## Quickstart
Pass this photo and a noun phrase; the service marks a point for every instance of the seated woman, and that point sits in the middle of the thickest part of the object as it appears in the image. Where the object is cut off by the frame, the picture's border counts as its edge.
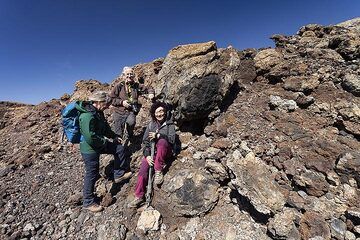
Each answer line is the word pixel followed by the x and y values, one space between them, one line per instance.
pixel 161 131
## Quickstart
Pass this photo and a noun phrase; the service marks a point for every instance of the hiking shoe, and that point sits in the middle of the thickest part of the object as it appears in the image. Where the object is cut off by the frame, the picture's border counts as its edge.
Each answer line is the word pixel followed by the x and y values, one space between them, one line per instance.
pixel 94 208
pixel 136 202
pixel 159 177
pixel 124 177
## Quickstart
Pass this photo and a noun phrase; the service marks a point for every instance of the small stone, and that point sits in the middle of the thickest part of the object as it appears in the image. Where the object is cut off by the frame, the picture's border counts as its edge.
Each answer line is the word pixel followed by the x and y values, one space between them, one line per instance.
pixel 357 229
pixel 62 223
pixel 222 143
pixel 149 220
pixel 285 105
pixel 10 219
pixel 107 200
pixel 74 199
pixel 111 229
pixel 236 154
pixel 68 212
pixel 71 229
pixel 338 229
pixel 349 236
pixel 197 155
pixel 29 227
pixel 74 215
pixel 354 214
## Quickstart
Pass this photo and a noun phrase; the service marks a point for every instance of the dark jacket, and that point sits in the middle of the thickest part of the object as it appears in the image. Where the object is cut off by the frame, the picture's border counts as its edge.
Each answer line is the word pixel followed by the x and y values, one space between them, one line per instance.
pixel 131 92
pixel 94 128
pixel 166 130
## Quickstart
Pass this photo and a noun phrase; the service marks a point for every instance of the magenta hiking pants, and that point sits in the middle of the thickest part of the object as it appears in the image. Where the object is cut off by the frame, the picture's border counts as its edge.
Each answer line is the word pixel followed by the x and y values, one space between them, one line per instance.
pixel 163 151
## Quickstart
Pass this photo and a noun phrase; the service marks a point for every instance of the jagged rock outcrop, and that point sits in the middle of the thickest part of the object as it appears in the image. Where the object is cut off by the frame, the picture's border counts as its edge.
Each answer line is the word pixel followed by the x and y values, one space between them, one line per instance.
pixel 196 78
pixel 269 148
pixel 254 180
pixel 84 88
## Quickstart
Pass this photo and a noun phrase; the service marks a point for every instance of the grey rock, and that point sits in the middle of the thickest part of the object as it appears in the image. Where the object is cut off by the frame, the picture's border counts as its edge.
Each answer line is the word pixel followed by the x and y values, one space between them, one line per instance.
pixel 192 192
pixel 302 100
pixel 225 223
pixel 28 227
pixel 255 181
pixel 328 208
pixel 349 164
pixel 214 153
pixel 282 104
pixel 282 226
pixel 217 170
pixel 352 84
pixel 338 229
pixel 111 229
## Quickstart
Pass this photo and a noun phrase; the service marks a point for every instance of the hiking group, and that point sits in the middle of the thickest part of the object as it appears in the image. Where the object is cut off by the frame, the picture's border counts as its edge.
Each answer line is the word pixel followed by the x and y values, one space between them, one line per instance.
pixel 84 122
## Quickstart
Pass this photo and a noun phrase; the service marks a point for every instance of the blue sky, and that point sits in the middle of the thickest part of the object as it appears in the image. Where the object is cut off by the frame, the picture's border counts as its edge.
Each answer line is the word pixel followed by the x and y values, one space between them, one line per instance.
pixel 46 45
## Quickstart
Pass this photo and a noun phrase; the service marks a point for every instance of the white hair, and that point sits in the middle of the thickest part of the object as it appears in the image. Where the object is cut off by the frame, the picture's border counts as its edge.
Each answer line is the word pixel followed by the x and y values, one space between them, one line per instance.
pixel 126 69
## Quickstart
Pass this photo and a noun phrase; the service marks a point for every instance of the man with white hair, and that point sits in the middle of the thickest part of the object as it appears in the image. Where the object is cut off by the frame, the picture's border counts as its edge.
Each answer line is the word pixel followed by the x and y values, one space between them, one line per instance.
pixel 124 98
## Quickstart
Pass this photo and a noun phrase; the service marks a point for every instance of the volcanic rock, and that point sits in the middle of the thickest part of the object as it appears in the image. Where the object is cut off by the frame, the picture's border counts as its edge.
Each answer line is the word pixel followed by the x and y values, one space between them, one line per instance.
pixel 255 181
pixel 191 192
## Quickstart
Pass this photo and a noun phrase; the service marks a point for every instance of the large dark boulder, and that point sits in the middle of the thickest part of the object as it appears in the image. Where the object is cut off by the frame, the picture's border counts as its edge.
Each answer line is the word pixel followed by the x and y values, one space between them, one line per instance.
pixel 196 78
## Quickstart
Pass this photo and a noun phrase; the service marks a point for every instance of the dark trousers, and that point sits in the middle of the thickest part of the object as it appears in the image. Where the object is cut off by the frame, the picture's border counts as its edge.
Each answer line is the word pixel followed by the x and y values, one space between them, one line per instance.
pixel 128 118
pixel 91 161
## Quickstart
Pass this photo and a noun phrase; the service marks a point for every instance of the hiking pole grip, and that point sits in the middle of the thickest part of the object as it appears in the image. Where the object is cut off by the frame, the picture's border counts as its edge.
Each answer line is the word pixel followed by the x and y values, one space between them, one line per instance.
pixel 149 186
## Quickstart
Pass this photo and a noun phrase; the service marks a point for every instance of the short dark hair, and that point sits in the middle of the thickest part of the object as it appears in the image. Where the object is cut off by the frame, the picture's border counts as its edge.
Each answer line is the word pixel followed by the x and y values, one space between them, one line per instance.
pixel 155 106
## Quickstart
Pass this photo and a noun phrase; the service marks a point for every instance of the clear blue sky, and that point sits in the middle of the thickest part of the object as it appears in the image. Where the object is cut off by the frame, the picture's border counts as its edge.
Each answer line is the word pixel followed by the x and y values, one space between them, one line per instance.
pixel 47 45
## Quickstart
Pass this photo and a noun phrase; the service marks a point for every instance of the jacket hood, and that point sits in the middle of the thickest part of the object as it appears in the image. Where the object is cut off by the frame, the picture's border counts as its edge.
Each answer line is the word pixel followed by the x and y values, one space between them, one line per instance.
pixel 85 107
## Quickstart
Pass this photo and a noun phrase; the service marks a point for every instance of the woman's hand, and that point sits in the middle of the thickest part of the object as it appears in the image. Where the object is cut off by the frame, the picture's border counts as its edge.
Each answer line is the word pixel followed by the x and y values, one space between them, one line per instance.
pixel 152 136
pixel 149 160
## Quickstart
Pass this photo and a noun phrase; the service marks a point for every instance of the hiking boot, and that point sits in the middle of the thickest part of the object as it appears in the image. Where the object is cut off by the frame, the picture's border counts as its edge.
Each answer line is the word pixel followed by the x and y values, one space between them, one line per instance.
pixel 124 177
pixel 159 178
pixel 136 202
pixel 94 208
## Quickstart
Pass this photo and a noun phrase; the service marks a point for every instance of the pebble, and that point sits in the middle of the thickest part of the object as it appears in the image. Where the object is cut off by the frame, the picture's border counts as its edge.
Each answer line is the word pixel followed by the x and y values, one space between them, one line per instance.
pixel 29 227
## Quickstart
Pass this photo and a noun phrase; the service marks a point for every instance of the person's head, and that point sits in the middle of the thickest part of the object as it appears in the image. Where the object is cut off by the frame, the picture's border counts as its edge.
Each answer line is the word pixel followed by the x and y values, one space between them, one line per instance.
pixel 158 111
pixel 128 74
pixel 99 100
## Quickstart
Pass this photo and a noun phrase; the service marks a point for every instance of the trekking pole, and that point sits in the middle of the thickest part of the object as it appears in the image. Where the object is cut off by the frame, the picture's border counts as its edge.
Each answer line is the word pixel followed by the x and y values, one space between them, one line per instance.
pixel 125 137
pixel 150 180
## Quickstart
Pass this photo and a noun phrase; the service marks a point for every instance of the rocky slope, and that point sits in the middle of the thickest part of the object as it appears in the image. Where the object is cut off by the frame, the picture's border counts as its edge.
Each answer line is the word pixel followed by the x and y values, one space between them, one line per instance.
pixel 269 149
